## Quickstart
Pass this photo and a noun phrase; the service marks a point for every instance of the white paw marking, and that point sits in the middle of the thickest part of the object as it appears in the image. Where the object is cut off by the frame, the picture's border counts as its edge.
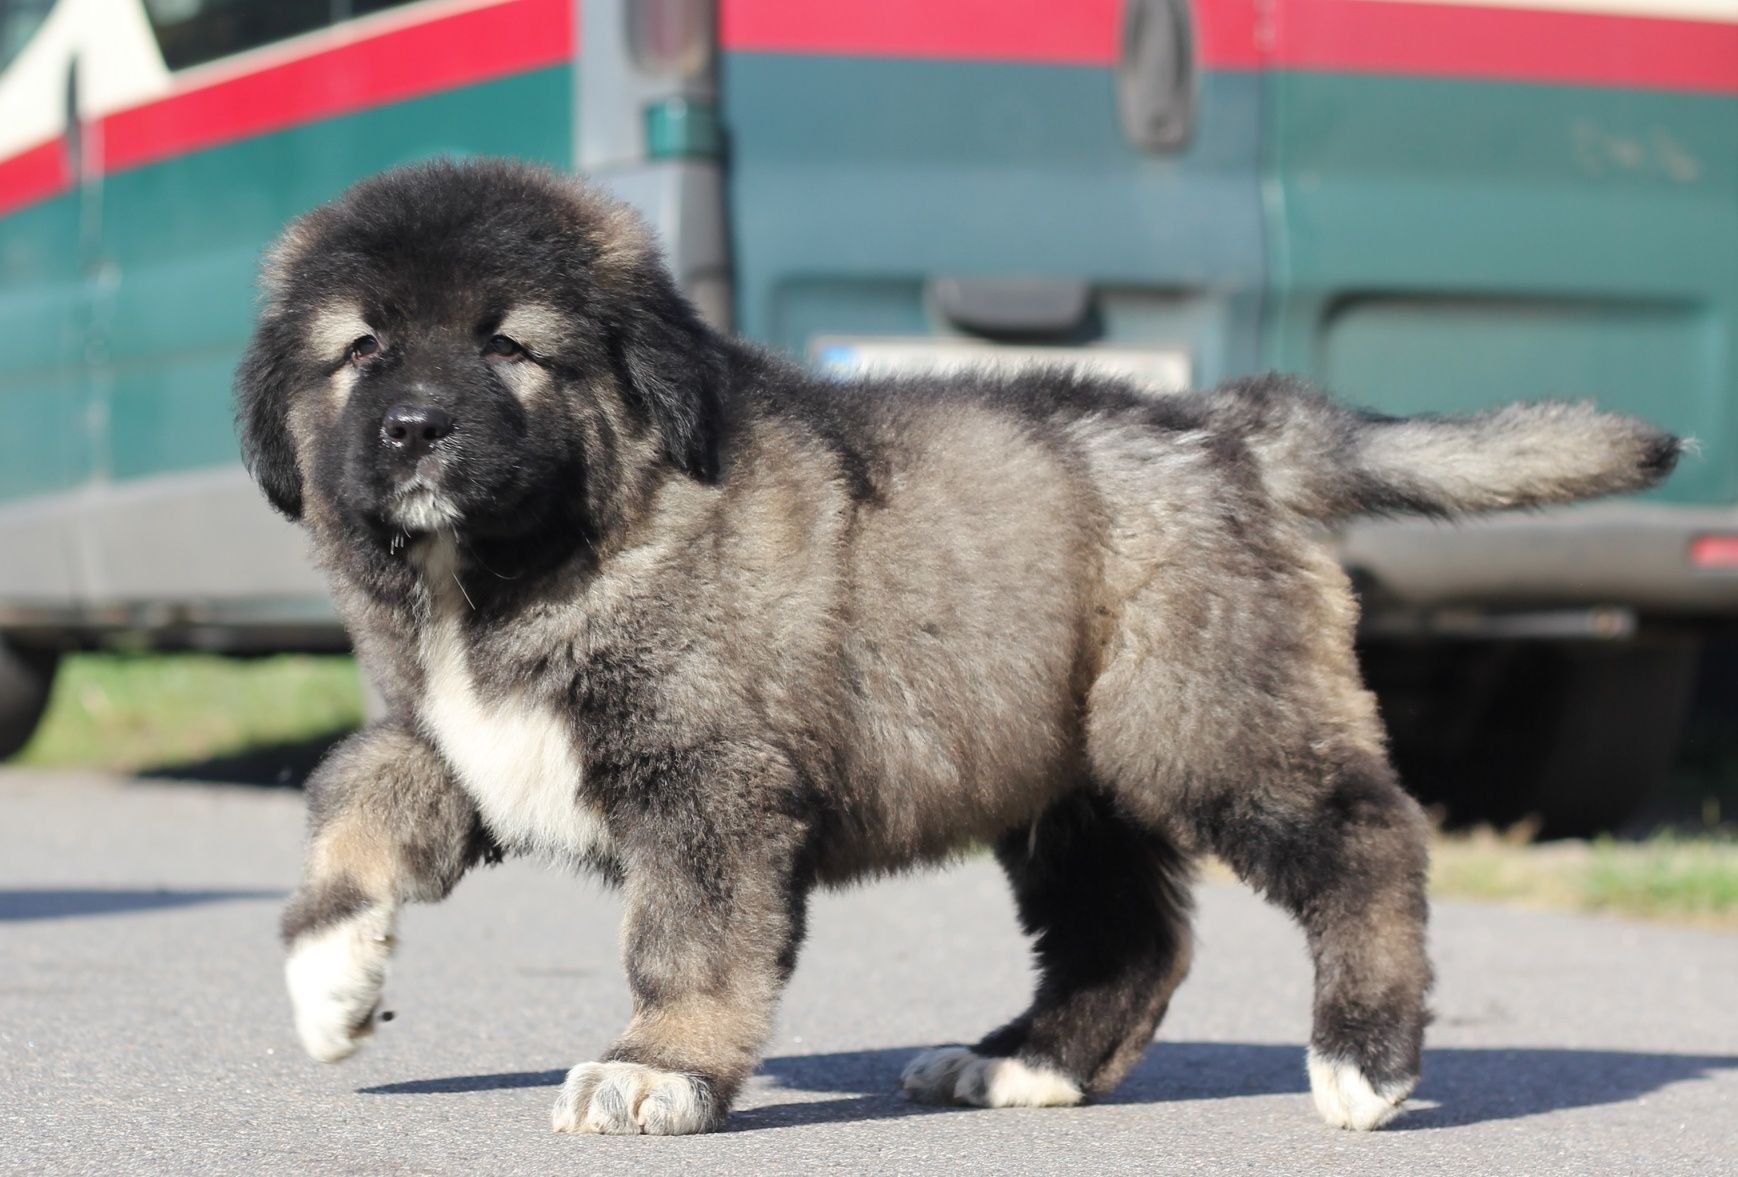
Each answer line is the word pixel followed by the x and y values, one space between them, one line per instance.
pixel 626 1099
pixel 930 1077
pixel 1346 1099
pixel 954 1074
pixel 335 976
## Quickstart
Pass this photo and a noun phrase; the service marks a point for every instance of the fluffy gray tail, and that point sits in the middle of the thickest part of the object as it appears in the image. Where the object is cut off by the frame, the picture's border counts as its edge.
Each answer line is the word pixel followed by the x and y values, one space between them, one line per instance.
pixel 1326 461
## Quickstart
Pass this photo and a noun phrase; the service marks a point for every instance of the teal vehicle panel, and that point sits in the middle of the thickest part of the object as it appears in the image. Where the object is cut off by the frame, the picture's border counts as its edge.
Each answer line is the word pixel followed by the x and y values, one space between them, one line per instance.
pixel 1446 246
pixel 853 180
pixel 45 444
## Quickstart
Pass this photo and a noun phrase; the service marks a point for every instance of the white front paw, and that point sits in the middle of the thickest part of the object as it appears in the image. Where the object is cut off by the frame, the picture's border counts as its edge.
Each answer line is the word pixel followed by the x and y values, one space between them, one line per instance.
pixel 335 976
pixel 626 1099
pixel 931 1076
pixel 1347 1099
pixel 954 1074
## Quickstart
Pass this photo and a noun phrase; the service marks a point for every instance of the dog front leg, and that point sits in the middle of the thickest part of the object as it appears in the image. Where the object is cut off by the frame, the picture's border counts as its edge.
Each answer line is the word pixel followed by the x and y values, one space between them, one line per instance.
pixel 710 936
pixel 387 825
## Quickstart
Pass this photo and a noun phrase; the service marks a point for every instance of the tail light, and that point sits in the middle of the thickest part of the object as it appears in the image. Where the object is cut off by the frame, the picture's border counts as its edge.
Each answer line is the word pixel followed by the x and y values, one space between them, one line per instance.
pixel 1715 552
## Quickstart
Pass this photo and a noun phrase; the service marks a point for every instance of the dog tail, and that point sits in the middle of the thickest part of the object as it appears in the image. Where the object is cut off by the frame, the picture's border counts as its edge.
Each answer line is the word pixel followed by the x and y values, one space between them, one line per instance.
pixel 1327 462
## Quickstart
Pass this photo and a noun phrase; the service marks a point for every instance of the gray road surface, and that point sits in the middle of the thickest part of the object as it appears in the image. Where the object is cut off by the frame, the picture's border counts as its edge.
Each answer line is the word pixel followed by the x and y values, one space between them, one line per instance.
pixel 143 1030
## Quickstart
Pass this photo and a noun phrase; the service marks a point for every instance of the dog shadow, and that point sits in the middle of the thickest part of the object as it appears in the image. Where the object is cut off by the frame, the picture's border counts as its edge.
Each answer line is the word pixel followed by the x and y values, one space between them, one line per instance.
pixel 53 903
pixel 266 766
pixel 1462 1085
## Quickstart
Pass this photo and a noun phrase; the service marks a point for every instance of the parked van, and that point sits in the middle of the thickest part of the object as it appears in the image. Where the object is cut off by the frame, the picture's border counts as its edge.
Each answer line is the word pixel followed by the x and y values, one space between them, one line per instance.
pixel 1430 207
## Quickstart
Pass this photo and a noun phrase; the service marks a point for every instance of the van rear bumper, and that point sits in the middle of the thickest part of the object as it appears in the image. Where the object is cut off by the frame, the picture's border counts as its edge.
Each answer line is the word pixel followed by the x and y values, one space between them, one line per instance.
pixel 1635 555
pixel 255 589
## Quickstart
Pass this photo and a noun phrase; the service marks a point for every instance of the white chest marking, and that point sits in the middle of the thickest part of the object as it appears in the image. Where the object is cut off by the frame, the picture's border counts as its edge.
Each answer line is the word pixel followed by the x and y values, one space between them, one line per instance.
pixel 515 756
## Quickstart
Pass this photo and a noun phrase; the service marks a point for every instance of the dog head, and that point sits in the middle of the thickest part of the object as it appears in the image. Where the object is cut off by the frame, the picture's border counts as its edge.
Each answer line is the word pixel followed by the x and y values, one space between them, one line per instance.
pixel 480 346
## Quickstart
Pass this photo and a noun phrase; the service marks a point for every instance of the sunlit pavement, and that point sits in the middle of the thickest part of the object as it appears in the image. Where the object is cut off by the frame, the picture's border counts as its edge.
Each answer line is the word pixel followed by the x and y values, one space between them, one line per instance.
pixel 143 1028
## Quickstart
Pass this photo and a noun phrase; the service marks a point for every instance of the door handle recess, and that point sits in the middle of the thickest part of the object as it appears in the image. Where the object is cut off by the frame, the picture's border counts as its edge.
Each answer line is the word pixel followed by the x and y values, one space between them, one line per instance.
pixel 1012 306
pixel 1155 79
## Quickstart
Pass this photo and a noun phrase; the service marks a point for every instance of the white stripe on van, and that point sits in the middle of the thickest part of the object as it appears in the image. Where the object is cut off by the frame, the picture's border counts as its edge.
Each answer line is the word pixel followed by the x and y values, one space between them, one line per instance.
pixel 1714 11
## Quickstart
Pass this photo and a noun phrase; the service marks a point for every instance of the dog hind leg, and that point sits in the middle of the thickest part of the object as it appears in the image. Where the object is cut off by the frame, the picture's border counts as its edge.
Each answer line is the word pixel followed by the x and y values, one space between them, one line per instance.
pixel 1107 902
pixel 1350 864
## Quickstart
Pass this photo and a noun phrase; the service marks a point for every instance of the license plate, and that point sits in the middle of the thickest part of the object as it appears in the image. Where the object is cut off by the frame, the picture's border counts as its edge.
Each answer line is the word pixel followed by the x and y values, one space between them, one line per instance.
pixel 1159 369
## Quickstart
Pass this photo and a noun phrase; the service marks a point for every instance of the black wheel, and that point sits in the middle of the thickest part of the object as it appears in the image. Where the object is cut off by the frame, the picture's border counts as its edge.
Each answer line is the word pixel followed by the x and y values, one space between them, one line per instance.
pixel 26 674
pixel 1576 736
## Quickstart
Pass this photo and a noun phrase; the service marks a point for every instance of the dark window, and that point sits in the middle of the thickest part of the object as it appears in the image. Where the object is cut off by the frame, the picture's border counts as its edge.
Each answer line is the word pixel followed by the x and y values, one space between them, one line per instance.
pixel 19 20
pixel 364 7
pixel 194 31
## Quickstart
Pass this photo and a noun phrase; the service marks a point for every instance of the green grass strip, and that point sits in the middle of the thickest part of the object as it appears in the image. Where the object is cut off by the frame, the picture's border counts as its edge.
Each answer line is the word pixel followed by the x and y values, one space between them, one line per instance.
pixel 134 712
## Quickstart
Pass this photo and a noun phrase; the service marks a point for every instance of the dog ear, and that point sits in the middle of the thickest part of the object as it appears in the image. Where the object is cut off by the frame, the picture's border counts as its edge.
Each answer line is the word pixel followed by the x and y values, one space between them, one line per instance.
pixel 263 384
pixel 674 368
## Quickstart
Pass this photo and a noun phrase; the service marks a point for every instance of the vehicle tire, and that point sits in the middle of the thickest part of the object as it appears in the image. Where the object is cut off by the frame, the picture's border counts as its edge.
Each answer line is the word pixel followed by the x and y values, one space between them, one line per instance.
pixel 1575 736
pixel 26 674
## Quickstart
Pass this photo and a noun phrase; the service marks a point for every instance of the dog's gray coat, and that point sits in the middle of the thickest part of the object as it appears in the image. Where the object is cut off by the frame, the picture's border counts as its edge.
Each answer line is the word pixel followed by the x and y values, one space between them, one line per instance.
pixel 663 605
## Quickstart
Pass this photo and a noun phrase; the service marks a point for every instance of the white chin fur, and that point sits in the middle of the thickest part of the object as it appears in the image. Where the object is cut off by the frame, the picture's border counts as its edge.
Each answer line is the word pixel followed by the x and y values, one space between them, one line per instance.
pixel 335 976
pixel 954 1074
pixel 1346 1099
pixel 421 509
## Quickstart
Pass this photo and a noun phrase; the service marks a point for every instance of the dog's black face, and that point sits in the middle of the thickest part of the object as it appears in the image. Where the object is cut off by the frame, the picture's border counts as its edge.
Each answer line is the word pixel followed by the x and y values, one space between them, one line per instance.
pixel 482 347
pixel 437 428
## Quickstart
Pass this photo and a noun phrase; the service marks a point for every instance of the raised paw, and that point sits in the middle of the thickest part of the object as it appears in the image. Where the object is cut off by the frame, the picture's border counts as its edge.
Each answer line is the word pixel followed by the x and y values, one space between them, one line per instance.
pixel 626 1099
pixel 335 975
pixel 954 1074
pixel 1346 1098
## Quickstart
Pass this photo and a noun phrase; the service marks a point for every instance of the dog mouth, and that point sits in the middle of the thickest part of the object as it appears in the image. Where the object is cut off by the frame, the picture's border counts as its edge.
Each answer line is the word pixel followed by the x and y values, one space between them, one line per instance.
pixel 417 505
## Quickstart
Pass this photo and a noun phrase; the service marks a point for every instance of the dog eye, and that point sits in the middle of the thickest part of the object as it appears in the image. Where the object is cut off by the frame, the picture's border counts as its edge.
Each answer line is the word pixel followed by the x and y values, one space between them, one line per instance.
pixel 363 348
pixel 502 348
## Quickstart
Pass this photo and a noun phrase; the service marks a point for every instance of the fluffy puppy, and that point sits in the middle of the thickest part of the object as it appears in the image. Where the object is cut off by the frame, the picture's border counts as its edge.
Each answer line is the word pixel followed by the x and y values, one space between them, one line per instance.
pixel 654 603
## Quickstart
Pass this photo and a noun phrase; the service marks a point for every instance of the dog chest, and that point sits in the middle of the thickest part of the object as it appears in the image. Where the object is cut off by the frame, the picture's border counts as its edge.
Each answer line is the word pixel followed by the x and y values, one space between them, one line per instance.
pixel 513 754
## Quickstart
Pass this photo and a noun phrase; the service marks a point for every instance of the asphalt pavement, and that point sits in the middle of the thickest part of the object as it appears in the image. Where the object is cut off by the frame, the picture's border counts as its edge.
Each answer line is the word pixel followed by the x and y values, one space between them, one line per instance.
pixel 143 1027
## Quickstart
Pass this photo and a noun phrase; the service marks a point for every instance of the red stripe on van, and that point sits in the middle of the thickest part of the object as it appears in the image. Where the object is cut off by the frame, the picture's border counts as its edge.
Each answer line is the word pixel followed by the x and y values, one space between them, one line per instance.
pixel 34 174
pixel 1357 36
pixel 1046 32
pixel 463 49
pixel 1505 44
pixel 1078 32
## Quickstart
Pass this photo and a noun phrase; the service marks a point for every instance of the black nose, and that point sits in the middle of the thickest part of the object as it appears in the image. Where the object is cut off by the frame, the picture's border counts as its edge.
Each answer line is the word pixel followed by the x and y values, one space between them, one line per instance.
pixel 413 429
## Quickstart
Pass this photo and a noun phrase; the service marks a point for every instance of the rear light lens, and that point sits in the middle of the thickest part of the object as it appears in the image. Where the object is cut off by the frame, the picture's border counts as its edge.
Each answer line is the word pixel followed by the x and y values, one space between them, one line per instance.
pixel 671 38
pixel 1715 551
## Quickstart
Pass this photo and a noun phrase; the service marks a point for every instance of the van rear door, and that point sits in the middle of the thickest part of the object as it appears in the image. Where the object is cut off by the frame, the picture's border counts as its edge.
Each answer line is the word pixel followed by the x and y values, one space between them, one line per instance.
pixel 1479 203
pixel 1080 174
